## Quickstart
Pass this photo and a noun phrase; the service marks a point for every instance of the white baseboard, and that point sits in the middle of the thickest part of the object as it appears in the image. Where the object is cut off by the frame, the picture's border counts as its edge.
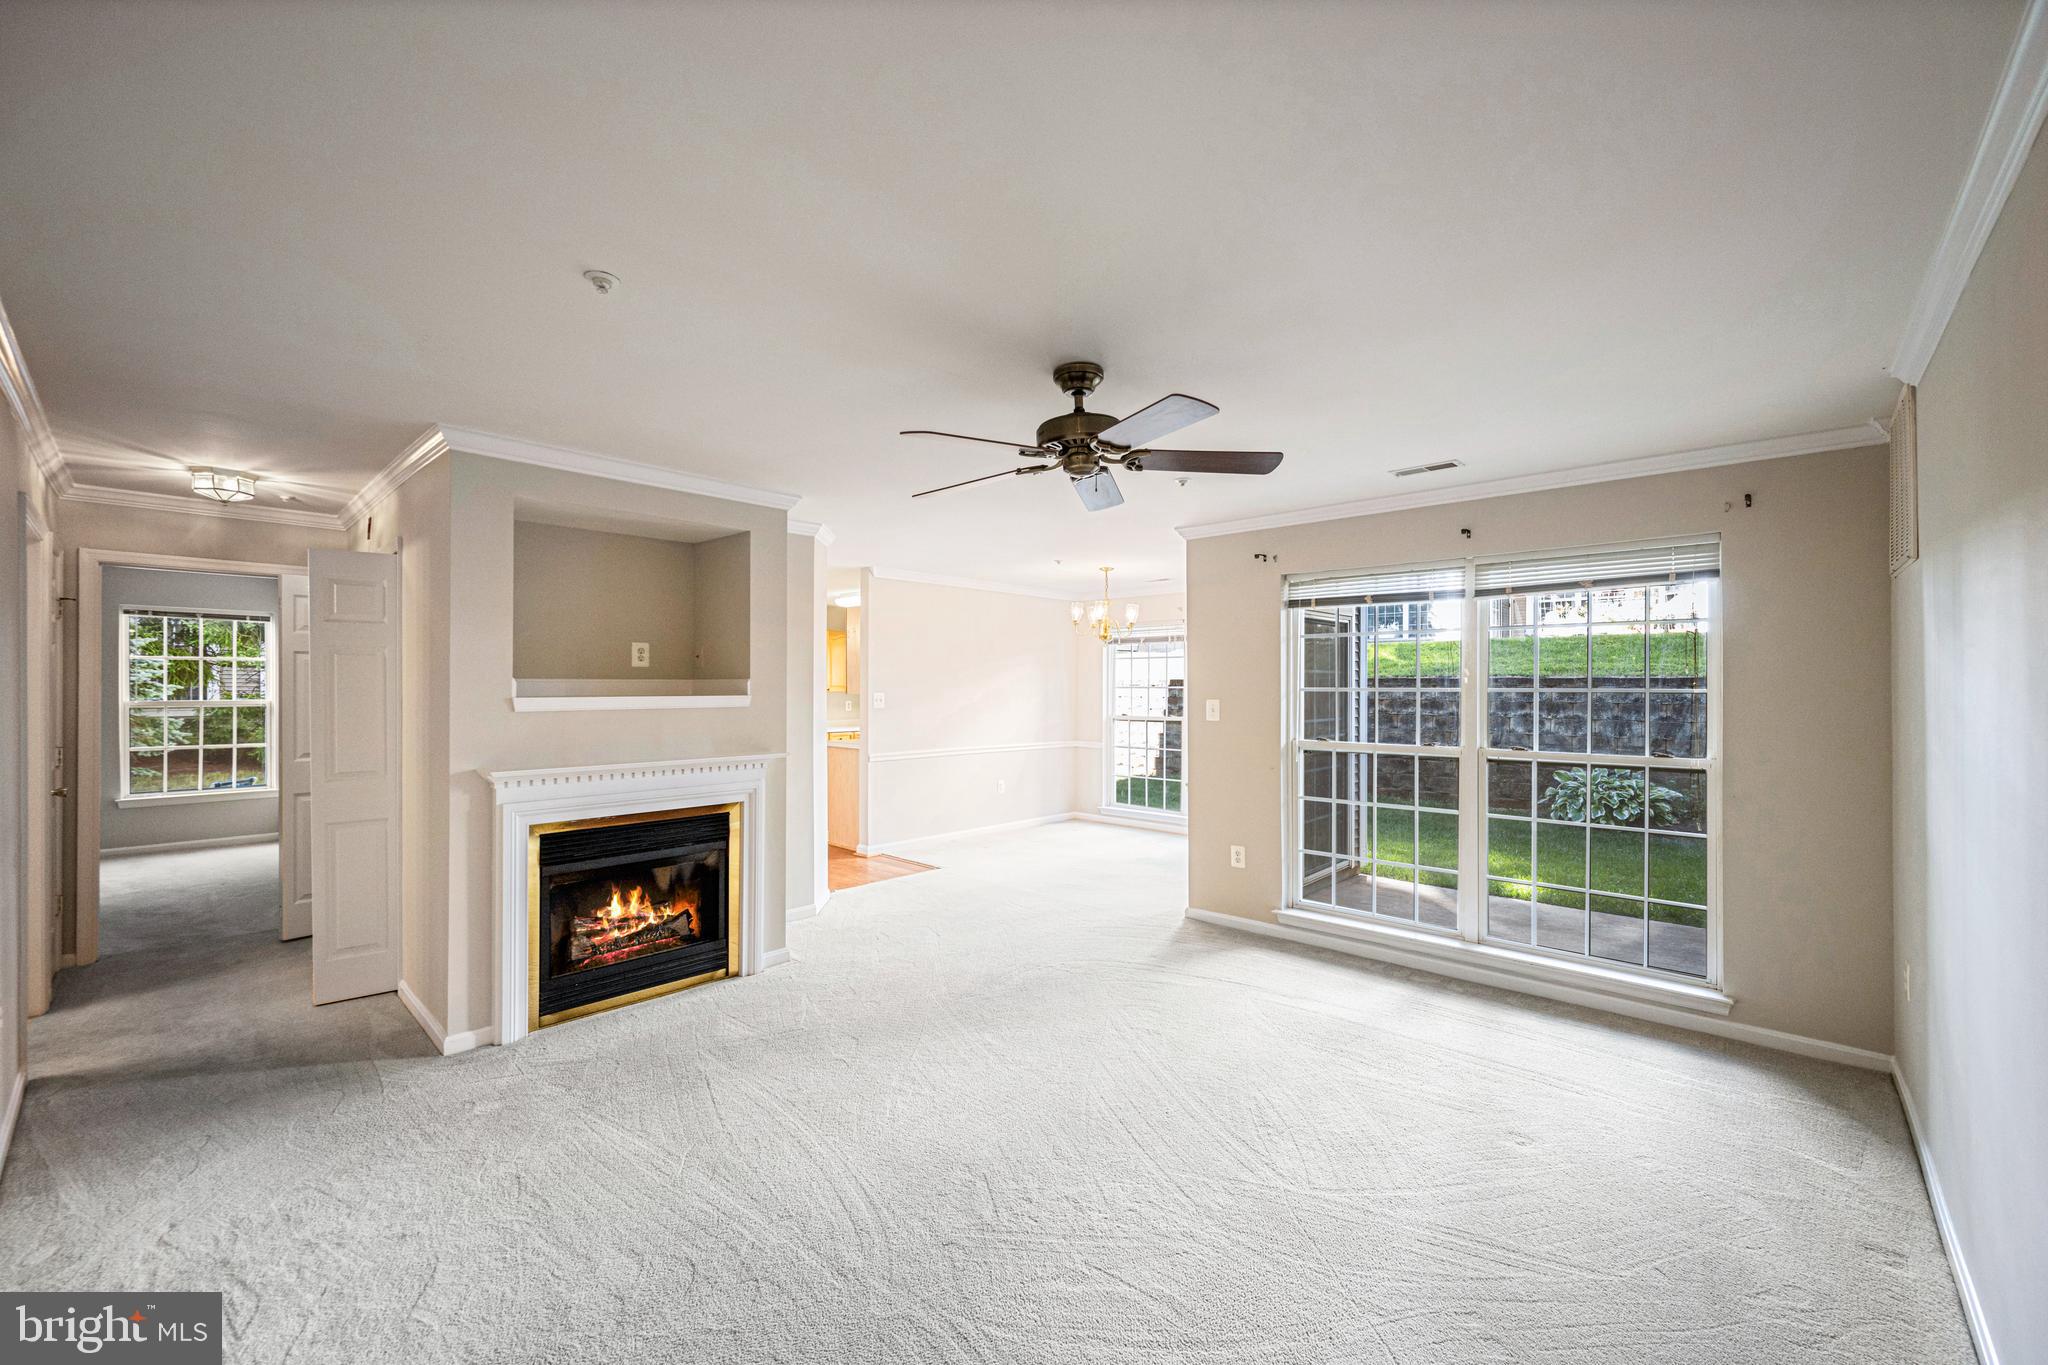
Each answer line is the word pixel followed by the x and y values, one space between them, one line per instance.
pixel 183 844
pixel 1774 1039
pixel 14 1097
pixel 1966 1287
pixel 895 845
pixel 773 957
pixel 1113 817
pixel 795 913
pixel 446 1043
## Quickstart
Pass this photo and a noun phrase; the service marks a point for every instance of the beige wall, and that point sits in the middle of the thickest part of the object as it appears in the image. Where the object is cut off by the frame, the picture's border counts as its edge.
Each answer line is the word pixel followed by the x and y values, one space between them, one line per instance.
pixel 1970 633
pixel 1805 702
pixel 582 598
pixel 471 514
pixel 994 708
pixel 804 736
pixel 724 620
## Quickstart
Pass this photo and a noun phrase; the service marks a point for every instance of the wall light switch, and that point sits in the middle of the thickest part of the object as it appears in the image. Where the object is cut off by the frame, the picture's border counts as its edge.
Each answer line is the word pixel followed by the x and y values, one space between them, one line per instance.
pixel 880 701
pixel 1237 855
pixel 1212 709
pixel 639 654
pixel 1002 784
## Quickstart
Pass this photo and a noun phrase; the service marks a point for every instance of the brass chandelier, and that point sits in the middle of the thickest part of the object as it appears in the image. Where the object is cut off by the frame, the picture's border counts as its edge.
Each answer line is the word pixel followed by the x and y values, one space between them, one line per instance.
pixel 1098 618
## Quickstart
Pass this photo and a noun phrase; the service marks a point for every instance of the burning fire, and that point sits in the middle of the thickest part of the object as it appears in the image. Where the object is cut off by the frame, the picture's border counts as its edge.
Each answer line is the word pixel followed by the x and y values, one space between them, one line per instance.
pixel 619 928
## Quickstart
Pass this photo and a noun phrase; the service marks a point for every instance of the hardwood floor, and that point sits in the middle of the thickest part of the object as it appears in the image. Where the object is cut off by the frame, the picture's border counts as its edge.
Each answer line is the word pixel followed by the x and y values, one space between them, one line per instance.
pixel 846 868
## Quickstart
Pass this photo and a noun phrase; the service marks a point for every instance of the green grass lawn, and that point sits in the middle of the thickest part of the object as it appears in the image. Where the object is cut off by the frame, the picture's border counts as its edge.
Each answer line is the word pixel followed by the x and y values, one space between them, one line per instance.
pixel 1674 653
pixel 1151 793
pixel 1612 861
pixel 1599 861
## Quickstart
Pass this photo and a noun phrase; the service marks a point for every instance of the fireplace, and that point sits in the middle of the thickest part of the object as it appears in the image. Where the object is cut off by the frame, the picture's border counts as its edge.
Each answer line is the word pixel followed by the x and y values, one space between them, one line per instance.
pixel 626 907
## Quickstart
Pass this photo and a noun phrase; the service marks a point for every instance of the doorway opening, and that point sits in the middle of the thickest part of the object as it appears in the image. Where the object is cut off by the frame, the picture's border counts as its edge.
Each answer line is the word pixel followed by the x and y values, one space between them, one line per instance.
pixel 192 770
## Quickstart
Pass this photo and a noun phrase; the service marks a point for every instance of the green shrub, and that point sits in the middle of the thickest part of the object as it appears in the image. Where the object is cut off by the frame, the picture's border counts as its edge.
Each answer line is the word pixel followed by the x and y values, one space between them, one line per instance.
pixel 1614 796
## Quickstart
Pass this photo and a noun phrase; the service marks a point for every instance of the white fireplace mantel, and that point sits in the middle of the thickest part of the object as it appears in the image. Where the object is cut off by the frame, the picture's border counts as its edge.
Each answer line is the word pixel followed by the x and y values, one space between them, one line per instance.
pixel 539 796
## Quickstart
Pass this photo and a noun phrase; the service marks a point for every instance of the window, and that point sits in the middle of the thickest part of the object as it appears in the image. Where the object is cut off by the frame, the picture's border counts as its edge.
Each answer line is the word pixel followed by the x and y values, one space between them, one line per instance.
pixel 1555 795
pixel 196 708
pixel 1147 688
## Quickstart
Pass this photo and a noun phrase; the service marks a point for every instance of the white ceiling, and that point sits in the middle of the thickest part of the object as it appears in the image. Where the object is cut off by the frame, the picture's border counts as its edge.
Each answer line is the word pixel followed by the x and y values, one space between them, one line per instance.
pixel 286 238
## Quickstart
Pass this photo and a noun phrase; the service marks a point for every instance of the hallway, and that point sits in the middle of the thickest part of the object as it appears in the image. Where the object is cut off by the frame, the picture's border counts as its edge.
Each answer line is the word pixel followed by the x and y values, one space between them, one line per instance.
pixel 192 980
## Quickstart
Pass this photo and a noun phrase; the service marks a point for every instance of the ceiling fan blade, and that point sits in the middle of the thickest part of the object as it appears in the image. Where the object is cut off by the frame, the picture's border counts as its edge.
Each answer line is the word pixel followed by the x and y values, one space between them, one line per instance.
pixel 1099 491
pixel 1206 461
pixel 999 474
pixel 1021 447
pixel 1170 413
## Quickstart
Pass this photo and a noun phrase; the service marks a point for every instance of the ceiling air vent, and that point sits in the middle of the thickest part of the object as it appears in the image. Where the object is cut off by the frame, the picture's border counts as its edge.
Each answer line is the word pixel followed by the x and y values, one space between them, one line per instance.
pixel 1905 521
pixel 1436 468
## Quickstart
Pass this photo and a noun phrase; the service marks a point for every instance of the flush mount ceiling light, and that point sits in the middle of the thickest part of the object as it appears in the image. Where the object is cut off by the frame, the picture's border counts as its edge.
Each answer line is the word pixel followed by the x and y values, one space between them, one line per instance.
pixel 223 485
pixel 846 599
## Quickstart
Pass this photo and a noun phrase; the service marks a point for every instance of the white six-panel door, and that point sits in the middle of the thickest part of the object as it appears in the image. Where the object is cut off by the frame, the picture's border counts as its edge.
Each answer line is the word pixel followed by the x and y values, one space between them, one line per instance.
pixel 293 754
pixel 355 773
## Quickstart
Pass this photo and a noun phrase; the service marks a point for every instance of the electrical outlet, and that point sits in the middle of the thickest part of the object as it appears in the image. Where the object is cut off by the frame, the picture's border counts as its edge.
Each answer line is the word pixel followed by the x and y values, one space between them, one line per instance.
pixel 880 701
pixel 1213 709
pixel 640 654
pixel 1237 855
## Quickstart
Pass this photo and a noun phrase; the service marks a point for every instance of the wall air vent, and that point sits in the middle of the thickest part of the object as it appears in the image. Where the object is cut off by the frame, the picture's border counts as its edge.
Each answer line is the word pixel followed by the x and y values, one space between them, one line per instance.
pixel 1434 468
pixel 1905 470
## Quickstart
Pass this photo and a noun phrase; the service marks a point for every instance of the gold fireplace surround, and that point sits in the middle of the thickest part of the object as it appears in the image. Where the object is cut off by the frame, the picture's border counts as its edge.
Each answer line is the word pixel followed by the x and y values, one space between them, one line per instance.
pixel 535 1020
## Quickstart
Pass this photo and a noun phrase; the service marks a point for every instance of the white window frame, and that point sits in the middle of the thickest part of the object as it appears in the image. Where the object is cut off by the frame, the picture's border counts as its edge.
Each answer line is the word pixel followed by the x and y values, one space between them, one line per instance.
pixel 1469 941
pixel 130 799
pixel 1109 804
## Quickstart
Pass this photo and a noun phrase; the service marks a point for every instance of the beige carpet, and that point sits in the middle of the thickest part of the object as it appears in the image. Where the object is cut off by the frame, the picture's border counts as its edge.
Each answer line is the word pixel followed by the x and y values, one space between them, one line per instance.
pixel 1012 1110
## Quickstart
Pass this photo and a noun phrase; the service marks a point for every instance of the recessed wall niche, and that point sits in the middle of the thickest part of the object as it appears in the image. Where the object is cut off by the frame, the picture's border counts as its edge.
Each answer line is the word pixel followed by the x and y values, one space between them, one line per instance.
pixel 587 590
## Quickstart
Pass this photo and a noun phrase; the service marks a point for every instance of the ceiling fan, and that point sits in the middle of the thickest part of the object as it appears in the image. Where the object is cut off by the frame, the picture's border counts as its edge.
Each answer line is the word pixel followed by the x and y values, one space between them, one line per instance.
pixel 1085 445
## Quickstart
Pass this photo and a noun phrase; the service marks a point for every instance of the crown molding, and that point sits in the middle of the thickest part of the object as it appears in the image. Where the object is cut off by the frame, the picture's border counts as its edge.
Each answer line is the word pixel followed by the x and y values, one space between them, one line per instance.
pixel 611 467
pixel 426 448
pixel 817 530
pixel 1776 448
pixel 27 406
pixel 2009 131
pixel 193 505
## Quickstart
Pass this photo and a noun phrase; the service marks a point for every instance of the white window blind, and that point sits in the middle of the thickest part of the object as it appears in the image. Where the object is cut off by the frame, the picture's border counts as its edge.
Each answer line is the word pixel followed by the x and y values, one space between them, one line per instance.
pixel 1569 570
pixel 1374 588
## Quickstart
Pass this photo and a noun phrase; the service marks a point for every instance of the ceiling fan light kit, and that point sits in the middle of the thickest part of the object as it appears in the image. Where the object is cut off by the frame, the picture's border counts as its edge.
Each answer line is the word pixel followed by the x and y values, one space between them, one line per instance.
pixel 1086 446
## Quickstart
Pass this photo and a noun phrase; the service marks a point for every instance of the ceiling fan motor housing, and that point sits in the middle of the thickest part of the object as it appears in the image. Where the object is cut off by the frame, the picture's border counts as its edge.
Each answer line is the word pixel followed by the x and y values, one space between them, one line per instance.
pixel 1073 435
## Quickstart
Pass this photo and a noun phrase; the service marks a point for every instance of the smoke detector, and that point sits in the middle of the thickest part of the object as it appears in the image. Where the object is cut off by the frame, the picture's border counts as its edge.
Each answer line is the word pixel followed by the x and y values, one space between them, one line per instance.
pixel 603 281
